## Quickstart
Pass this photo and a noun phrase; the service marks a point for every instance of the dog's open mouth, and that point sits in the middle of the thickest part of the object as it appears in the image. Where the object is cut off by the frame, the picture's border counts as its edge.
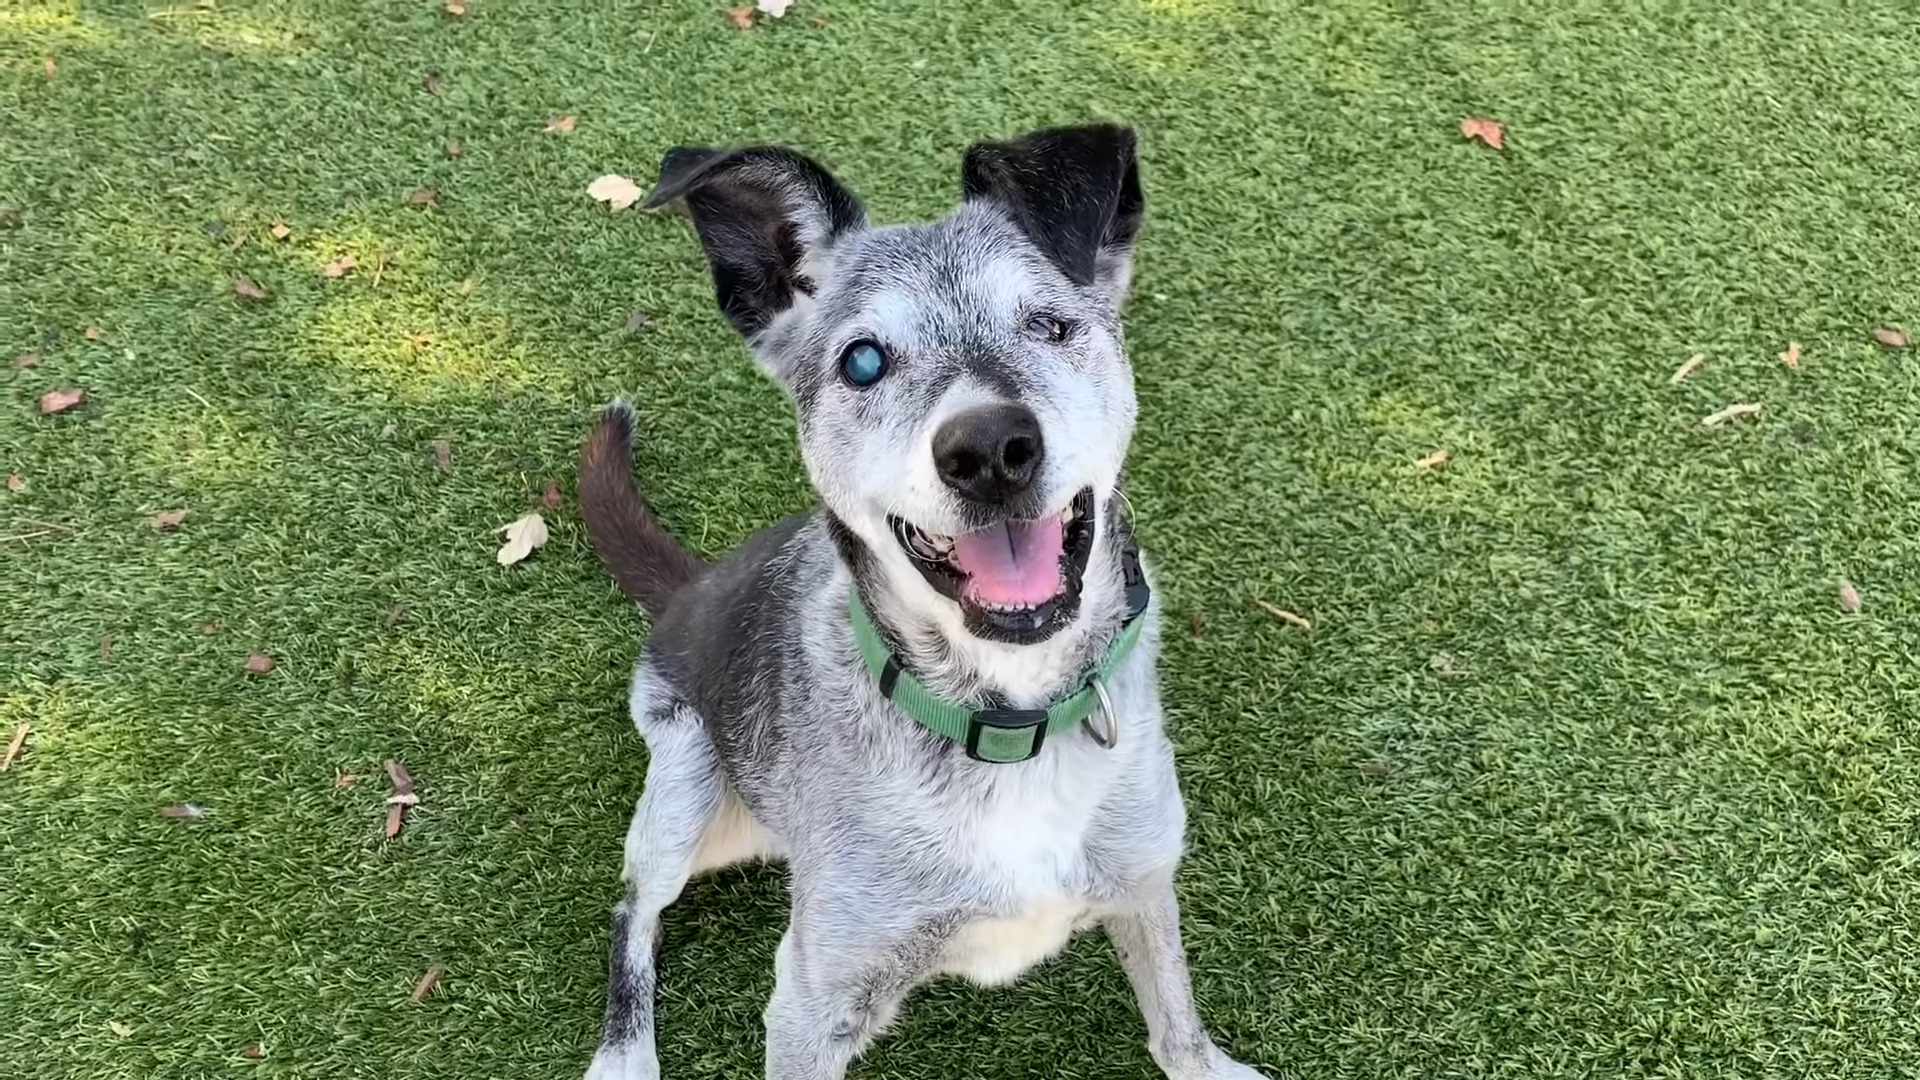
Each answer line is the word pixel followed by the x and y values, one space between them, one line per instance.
pixel 1016 581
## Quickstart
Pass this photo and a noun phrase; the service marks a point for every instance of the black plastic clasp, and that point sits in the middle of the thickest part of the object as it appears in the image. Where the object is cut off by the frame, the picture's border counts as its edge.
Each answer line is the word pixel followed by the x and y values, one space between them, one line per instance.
pixel 1138 592
pixel 1004 736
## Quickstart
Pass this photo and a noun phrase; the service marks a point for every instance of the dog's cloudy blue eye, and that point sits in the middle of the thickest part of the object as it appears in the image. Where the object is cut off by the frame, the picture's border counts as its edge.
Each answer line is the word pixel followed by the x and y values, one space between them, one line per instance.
pixel 863 363
pixel 1047 328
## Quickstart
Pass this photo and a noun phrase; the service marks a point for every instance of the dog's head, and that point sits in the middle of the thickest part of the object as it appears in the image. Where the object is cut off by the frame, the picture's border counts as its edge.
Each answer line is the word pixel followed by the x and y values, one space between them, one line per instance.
pixel 965 400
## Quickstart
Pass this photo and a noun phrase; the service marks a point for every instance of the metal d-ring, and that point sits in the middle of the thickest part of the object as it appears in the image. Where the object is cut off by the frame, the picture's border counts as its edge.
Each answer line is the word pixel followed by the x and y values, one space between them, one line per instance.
pixel 1111 738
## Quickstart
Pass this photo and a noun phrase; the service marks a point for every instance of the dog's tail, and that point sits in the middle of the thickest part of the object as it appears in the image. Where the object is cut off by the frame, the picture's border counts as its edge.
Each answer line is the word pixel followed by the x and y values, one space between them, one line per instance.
pixel 644 559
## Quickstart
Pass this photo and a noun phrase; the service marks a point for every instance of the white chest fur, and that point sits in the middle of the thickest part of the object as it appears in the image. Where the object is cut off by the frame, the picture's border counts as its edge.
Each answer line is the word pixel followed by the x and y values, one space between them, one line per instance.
pixel 995 951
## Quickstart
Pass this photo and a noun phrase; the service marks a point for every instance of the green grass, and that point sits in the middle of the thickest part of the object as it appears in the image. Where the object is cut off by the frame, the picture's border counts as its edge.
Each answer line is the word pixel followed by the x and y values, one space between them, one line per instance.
pixel 1581 771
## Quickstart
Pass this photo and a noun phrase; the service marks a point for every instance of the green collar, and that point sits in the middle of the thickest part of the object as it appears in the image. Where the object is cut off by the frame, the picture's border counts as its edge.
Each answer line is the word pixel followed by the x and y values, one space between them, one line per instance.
pixel 1003 735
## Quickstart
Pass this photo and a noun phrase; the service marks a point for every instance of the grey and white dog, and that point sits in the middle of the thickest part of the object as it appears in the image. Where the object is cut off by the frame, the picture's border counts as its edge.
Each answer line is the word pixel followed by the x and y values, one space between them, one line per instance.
pixel 965 406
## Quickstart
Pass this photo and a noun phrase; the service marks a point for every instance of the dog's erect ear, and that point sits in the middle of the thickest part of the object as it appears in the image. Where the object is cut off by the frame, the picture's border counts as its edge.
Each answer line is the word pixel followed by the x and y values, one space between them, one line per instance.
pixel 760 212
pixel 1075 192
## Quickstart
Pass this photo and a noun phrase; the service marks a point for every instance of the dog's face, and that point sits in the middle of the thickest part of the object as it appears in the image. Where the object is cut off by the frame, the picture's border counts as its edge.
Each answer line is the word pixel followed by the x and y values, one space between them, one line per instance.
pixel 964 397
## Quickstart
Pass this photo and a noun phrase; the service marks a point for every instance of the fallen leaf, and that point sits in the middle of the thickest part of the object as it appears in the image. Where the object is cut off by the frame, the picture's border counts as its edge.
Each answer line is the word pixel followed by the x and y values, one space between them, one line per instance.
pixel 1890 338
pixel 13 748
pixel 184 812
pixel 638 321
pixel 1491 132
pixel 91 333
pixel 339 266
pixel 1731 412
pixel 431 84
pixel 443 456
pixel 402 790
pixel 10 217
pixel 615 190
pixel 258 663
pixel 419 339
pixel 59 401
pixel 551 498
pixel 209 627
pixel 424 988
pixel 817 23
pixel 248 289
pixel 1283 614
pixel 48 67
pixel 280 230
pixel 1442 663
pixel 15 484
pixel 523 535
pixel 26 360
pixel 452 149
pixel 455 9
pixel 1791 357
pixel 561 125
pixel 125 1031
pixel 398 613
pixel 742 17
pixel 1692 365
pixel 1433 460
pixel 106 645
pixel 423 196
pixel 774 8
pixel 345 779
pixel 168 520
pixel 252 1052
pixel 1849 598
pixel 1196 624
pixel 468 285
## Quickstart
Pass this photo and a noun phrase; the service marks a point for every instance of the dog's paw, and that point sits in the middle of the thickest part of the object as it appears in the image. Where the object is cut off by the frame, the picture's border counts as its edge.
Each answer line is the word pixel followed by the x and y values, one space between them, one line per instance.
pixel 624 1063
pixel 1228 1069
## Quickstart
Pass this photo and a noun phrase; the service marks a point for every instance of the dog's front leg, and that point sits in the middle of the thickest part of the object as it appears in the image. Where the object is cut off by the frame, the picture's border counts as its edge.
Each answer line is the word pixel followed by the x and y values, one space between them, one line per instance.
pixel 1147 937
pixel 836 985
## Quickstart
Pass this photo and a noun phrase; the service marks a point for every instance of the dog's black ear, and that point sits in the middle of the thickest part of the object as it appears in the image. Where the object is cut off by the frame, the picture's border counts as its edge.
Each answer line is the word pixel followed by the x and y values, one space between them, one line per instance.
pixel 1074 191
pixel 759 211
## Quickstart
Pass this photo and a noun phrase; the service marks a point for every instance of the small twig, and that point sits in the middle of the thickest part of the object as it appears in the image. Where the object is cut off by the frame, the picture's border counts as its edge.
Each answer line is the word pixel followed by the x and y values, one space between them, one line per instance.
pixel 25 536
pixel 1692 365
pixel 46 524
pixel 1731 412
pixel 13 748
pixel 423 989
pixel 1283 614
pixel 195 395
pixel 403 797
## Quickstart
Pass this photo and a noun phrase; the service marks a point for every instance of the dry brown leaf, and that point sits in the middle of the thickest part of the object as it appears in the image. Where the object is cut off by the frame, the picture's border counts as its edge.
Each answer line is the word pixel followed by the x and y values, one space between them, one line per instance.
pixel 91 333
pixel 168 520
pixel 1283 614
pixel 469 284
pixel 1692 365
pixel 523 535
pixel 423 196
pixel 817 23
pixel 59 401
pixel 431 84
pixel 26 360
pixel 1731 412
pixel 561 125
pixel 443 456
pixel 420 339
pixel 14 747
pixel 48 67
pixel 424 988
pixel 248 289
pixel 615 190
pixel 106 645
pixel 452 149
pixel 1890 338
pixel 125 1031
pixel 10 217
pixel 252 1052
pixel 345 779
pixel 742 17
pixel 184 812
pixel 280 230
pixel 1196 623
pixel 774 8
pixel 551 497
pixel 456 9
pixel 1791 357
pixel 1849 598
pixel 339 267
pixel 209 627
pixel 1434 460
pixel 1491 132
pixel 403 796
pixel 258 663
pixel 15 484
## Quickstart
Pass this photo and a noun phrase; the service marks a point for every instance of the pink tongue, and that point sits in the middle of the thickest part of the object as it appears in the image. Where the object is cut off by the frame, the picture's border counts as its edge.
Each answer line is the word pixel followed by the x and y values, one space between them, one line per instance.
pixel 1012 565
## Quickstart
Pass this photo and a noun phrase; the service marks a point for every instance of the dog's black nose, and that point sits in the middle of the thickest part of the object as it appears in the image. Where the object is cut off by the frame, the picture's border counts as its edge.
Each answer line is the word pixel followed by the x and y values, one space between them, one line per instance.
pixel 989 455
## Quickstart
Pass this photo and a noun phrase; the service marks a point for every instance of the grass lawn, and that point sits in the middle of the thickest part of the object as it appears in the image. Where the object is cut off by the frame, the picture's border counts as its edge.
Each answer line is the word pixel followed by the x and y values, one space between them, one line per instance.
pixel 1582 770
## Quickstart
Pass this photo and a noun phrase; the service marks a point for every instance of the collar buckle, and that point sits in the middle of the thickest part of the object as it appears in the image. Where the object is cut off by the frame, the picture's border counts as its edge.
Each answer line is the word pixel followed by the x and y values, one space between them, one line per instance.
pixel 1006 736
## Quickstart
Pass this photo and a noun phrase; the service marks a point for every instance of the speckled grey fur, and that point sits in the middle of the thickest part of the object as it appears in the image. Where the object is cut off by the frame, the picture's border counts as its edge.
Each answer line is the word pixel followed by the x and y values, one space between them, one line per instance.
pixel 769 738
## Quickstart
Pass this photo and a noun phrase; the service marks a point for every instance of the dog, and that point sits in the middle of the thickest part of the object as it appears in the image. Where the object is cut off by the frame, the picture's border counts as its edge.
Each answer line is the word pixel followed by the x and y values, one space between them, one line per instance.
pixel 933 696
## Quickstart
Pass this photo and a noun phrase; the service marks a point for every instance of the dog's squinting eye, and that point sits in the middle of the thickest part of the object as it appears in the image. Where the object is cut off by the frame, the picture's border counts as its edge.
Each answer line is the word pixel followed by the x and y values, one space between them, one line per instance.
pixel 1047 328
pixel 863 363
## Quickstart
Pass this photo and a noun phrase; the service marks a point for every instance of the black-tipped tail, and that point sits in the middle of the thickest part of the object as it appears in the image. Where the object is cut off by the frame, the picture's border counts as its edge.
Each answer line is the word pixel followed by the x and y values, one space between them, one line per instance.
pixel 644 559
